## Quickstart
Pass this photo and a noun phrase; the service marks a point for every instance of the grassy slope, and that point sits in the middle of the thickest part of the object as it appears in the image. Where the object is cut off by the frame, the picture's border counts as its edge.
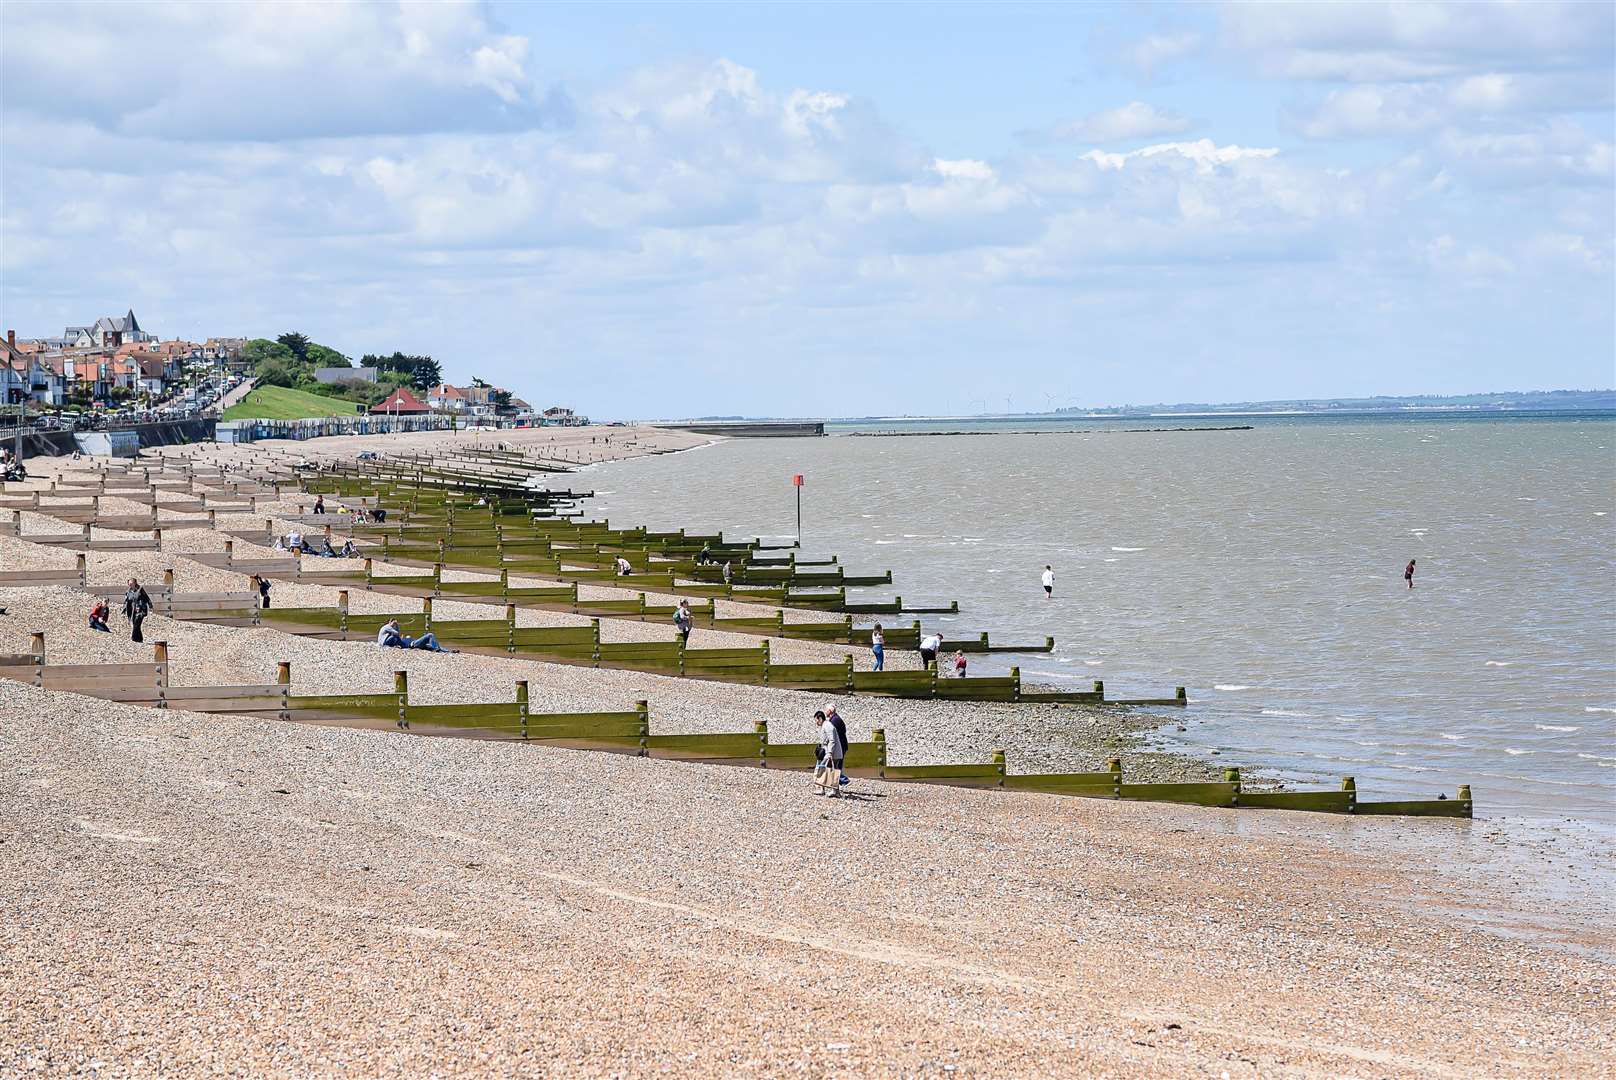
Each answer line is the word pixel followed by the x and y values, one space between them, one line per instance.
pixel 281 403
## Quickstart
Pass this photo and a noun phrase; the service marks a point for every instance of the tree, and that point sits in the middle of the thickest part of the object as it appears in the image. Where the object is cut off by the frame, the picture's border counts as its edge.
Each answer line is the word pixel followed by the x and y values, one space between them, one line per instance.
pixel 500 399
pixel 297 343
pixel 258 350
pixel 276 371
pixel 423 371
pixel 324 356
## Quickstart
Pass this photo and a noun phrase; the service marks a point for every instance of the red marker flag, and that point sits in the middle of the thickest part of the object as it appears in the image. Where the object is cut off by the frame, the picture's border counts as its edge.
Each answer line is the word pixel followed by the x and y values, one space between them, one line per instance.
pixel 796 481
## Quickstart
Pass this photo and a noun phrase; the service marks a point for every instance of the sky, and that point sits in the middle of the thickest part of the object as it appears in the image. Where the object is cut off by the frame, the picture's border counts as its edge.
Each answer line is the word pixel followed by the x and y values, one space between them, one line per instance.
pixel 665 210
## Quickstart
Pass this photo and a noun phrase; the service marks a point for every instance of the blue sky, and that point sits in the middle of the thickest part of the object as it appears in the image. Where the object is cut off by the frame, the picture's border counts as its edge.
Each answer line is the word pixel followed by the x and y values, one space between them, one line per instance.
pixel 663 210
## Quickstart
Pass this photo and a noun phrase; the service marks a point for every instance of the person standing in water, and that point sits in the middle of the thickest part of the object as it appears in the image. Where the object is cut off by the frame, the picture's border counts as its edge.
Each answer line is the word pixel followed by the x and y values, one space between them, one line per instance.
pixel 1408 573
pixel 1049 582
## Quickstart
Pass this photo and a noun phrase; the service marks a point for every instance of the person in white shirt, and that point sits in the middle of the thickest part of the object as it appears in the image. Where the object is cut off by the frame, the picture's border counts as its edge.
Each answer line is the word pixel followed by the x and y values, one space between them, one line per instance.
pixel 929 644
pixel 1049 582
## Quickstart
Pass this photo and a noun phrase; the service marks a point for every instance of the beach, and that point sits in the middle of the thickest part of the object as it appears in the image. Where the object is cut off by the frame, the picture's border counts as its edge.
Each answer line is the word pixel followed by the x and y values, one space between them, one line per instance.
pixel 198 894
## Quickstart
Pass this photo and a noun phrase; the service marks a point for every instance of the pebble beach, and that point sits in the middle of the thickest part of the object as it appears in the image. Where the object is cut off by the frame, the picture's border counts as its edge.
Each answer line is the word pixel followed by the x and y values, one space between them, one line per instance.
pixel 188 894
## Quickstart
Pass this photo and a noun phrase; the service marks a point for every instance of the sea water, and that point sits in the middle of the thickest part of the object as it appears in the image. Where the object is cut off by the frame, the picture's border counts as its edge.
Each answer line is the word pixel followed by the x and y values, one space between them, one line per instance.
pixel 1261 568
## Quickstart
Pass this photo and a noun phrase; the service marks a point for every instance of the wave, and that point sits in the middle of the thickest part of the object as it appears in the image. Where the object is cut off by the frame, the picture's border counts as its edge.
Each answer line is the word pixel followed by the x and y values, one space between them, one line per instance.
pixel 1127 549
pixel 1555 727
pixel 1512 752
pixel 1230 686
pixel 1093 663
pixel 1282 712
pixel 1498 663
pixel 1450 736
pixel 1597 708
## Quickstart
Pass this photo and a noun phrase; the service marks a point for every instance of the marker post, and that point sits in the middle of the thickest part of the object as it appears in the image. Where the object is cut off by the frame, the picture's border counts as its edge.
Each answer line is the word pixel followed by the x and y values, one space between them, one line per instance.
pixel 796 482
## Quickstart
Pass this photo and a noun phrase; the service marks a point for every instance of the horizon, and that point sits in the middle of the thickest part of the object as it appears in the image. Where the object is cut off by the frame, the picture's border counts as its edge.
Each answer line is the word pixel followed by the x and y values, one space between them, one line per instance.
pixel 717 209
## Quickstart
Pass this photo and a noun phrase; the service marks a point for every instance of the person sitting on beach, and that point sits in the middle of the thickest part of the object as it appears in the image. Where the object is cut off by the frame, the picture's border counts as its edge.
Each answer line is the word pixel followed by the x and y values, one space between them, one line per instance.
pixel 959 664
pixel 379 515
pixel 348 550
pixel 98 615
pixel 279 544
pixel 704 555
pixel 326 550
pixel 294 541
pixel 319 504
pixel 391 637
pixel 929 644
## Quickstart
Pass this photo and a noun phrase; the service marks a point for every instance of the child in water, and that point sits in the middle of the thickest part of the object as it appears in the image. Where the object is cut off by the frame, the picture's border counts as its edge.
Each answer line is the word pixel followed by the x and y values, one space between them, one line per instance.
pixel 959 665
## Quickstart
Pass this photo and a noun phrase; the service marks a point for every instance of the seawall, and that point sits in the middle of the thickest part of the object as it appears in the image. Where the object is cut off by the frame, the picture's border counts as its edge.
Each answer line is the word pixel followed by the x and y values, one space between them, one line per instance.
pixel 753 429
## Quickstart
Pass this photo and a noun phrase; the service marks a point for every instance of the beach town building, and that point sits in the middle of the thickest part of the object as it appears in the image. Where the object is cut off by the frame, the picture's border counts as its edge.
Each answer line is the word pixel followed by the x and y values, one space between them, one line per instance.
pixel 446 398
pixel 400 403
pixel 108 330
pixel 558 416
pixel 25 377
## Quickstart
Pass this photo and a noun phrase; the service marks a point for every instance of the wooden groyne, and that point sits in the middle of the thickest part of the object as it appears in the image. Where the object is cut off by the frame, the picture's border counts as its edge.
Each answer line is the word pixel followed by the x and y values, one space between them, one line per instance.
pixel 628 731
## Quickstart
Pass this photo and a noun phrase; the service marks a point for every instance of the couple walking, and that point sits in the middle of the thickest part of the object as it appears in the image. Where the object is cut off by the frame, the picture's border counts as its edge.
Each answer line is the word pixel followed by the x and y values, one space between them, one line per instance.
pixel 829 779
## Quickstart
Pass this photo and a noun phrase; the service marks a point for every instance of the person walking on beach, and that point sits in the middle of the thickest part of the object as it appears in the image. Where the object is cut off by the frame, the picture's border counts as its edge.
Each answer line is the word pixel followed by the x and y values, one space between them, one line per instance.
pixel 319 504
pixel 727 573
pixel 840 725
pixel 830 752
pixel 1049 582
pixel 1408 573
pixel 682 621
pixel 136 606
pixel 878 646
pixel 929 644
pixel 262 583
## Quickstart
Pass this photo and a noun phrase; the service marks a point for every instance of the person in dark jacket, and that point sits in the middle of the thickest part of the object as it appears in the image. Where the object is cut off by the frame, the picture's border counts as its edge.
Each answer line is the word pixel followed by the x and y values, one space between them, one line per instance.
pixel 136 606
pixel 263 588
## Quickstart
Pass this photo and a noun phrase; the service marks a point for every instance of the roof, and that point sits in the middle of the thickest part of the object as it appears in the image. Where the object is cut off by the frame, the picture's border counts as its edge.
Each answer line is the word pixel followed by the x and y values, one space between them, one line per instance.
pixel 400 401
pixel 446 392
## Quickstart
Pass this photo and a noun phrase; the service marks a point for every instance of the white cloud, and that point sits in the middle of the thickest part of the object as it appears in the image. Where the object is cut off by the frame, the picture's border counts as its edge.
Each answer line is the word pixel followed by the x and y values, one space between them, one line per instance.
pixel 1135 120
pixel 1376 110
pixel 1204 154
pixel 283 70
pixel 1151 53
pixel 1399 41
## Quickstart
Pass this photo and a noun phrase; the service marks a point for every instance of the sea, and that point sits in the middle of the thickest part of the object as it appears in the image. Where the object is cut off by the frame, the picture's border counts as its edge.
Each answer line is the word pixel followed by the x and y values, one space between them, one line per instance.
pixel 1256 560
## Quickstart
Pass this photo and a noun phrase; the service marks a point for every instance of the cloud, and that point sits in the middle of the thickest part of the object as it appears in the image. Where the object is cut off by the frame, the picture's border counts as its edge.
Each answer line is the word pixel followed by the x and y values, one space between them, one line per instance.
pixel 1402 109
pixel 1401 41
pixel 1135 120
pixel 1157 50
pixel 272 71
